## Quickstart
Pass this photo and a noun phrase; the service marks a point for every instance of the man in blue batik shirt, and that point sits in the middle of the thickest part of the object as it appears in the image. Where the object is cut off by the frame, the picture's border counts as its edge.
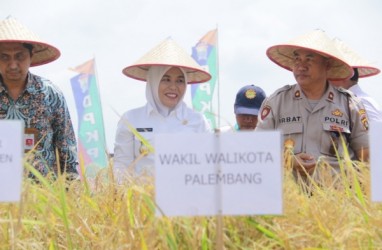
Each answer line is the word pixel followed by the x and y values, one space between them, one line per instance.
pixel 28 97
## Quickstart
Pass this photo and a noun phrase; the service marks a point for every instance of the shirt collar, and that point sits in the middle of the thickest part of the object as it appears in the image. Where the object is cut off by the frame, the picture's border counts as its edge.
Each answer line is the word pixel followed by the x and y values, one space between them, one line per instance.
pixel 178 112
pixel 328 94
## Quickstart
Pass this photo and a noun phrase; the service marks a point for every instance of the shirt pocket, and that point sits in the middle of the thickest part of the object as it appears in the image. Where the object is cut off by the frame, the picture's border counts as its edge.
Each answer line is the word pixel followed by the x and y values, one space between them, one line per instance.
pixel 334 138
pixel 293 136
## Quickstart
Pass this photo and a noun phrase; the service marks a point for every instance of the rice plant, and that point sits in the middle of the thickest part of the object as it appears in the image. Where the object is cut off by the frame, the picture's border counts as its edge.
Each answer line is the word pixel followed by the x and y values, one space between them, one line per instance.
pixel 55 213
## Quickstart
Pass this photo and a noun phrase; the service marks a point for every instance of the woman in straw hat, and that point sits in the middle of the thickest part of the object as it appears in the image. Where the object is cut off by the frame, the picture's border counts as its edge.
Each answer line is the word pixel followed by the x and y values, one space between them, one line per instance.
pixel 28 97
pixel 167 69
pixel 312 115
pixel 362 68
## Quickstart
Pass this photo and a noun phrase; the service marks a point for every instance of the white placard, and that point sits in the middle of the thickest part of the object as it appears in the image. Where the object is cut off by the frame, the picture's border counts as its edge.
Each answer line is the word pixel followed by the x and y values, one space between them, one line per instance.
pixel 209 174
pixel 375 133
pixel 11 153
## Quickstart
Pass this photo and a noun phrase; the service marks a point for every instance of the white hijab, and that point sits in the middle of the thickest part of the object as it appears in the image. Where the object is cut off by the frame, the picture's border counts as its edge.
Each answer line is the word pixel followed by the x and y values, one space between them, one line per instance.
pixel 154 76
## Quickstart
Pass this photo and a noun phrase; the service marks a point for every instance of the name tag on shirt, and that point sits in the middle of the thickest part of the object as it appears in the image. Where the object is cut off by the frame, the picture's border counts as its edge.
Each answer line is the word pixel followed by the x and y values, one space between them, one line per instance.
pixel 145 129
pixel 30 137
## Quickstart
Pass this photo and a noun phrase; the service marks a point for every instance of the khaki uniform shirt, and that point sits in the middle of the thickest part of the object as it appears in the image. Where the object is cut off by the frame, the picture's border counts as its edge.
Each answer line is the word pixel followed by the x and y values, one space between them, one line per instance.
pixel 313 130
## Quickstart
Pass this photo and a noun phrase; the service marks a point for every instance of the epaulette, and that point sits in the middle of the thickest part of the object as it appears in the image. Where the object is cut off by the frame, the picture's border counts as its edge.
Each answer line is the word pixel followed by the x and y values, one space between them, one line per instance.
pixel 348 93
pixel 280 90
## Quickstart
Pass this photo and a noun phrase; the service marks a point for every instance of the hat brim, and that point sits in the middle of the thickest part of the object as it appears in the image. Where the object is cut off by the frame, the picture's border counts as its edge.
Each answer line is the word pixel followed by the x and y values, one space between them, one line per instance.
pixel 283 56
pixel 366 71
pixel 139 72
pixel 246 111
pixel 43 53
pixel 364 67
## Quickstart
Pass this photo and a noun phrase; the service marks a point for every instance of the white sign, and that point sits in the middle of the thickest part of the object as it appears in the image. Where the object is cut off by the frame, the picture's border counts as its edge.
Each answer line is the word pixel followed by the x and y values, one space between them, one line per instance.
pixel 375 133
pixel 209 174
pixel 11 153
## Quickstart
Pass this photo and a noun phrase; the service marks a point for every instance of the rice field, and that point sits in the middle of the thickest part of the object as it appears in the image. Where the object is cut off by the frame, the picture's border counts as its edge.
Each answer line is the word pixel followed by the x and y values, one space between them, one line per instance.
pixel 99 214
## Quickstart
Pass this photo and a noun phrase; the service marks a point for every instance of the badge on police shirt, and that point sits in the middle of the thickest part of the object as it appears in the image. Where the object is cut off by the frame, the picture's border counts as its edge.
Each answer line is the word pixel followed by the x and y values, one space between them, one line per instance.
pixel 265 112
pixel 30 137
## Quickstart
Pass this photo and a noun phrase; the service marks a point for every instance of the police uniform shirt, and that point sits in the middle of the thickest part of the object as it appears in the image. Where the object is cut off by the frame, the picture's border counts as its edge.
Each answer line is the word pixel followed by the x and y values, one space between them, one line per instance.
pixel 147 121
pixel 312 130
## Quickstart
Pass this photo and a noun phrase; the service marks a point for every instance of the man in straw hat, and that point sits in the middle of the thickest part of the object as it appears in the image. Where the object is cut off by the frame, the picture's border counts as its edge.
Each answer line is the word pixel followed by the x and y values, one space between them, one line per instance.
pixel 166 69
pixel 28 97
pixel 312 115
pixel 362 68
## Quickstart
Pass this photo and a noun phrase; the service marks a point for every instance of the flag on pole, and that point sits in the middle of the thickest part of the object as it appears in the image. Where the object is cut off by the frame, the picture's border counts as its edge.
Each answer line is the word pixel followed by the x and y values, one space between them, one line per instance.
pixel 205 53
pixel 91 133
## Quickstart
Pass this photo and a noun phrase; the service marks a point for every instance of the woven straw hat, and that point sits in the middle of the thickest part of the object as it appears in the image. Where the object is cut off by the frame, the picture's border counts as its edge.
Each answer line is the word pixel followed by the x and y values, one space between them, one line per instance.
pixel 167 53
pixel 318 42
pixel 13 31
pixel 365 68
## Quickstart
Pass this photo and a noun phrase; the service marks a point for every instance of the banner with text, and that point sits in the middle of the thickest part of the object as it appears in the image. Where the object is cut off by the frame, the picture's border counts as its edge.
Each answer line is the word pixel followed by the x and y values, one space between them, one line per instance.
pixel 205 53
pixel 228 174
pixel 91 134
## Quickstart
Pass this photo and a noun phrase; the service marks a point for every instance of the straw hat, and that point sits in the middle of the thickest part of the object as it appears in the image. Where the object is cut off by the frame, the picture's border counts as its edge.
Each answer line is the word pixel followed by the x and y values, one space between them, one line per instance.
pixel 364 67
pixel 13 31
pixel 167 53
pixel 318 42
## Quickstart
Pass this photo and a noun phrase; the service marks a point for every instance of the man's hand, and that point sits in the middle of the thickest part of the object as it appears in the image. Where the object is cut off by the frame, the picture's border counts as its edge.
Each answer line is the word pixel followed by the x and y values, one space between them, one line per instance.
pixel 304 163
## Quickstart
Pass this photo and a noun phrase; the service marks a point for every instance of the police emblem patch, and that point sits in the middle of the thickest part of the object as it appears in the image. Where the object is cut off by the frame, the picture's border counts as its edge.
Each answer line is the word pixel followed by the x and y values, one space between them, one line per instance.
pixel 362 112
pixel 365 122
pixel 265 112
pixel 337 112
pixel 331 96
pixel 250 94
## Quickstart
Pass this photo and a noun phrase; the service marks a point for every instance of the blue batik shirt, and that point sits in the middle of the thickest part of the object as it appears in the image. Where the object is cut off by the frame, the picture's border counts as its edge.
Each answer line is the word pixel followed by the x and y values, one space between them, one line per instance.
pixel 42 106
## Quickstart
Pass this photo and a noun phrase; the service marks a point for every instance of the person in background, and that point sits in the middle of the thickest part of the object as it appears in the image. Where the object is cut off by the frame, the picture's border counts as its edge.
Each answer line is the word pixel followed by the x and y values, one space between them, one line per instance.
pixel 362 68
pixel 166 69
pixel 35 100
pixel 312 115
pixel 247 104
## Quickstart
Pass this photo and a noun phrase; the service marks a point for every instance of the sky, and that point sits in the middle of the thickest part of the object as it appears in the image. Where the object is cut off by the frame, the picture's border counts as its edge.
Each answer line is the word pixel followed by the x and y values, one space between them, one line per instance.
pixel 118 32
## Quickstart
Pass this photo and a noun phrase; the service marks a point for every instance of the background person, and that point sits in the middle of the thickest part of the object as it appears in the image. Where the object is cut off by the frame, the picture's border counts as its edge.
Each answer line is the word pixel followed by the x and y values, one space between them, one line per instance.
pixel 247 104
pixel 167 69
pixel 35 100
pixel 362 68
pixel 312 115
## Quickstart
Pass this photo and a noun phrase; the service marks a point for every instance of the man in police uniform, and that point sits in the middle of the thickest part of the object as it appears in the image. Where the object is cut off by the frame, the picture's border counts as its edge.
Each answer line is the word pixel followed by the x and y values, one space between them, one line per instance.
pixel 312 115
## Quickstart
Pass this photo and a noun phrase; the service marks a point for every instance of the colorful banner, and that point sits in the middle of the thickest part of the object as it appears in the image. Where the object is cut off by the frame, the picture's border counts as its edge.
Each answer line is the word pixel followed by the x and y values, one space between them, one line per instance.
pixel 205 53
pixel 91 133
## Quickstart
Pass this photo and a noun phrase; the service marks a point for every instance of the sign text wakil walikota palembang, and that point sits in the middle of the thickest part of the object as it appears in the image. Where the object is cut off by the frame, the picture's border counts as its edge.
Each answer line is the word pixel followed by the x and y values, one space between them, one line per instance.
pixel 234 158
pixel 205 174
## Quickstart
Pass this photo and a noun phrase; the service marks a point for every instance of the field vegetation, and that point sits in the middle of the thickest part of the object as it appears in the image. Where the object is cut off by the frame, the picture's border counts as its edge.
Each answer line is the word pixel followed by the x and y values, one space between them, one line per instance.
pixel 54 213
